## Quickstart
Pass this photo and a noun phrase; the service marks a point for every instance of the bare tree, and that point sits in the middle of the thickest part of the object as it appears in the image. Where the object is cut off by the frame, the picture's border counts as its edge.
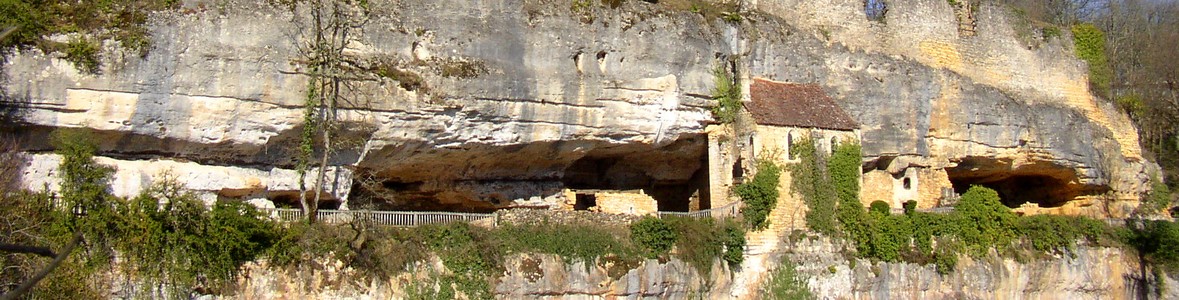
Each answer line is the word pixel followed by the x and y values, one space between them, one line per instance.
pixel 332 75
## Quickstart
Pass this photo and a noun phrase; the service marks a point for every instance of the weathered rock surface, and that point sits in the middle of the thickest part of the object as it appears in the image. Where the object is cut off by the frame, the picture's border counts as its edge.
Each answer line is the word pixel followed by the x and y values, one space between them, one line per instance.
pixel 540 86
pixel 527 276
pixel 1093 273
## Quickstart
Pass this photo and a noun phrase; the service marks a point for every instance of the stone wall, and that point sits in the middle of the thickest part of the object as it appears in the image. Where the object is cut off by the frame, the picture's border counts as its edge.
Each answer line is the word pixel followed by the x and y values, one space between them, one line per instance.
pixel 925 186
pixel 634 202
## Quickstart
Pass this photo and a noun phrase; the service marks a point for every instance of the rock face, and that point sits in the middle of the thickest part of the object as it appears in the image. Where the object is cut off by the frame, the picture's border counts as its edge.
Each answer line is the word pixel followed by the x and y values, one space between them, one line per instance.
pixel 1093 273
pixel 527 276
pixel 474 106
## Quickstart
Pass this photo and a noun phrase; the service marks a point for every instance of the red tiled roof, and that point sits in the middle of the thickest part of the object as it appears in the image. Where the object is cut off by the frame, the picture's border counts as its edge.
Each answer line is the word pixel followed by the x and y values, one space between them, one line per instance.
pixel 796 105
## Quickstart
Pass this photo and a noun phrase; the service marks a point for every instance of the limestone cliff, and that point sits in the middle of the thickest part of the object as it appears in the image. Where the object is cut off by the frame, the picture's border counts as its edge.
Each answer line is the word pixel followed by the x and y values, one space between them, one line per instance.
pixel 1094 273
pixel 477 105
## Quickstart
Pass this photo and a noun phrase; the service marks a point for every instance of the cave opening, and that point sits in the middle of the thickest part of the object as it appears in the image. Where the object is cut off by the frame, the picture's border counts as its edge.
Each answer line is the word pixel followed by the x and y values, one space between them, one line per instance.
pixel 1044 184
pixel 630 173
pixel 291 200
pixel 1016 190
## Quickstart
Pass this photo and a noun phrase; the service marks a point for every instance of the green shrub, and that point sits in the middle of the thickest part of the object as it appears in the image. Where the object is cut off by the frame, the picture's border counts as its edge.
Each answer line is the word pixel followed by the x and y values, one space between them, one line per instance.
pixel 880 207
pixel 1157 242
pixel 654 235
pixel 734 242
pixel 83 54
pixel 760 195
pixel 1132 104
pixel 701 241
pixel 893 235
pixel 1090 47
pixel 727 94
pixel 983 221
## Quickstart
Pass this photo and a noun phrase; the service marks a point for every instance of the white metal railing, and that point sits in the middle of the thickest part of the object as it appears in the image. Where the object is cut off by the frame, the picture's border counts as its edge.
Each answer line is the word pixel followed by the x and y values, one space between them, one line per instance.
pixel 728 211
pixel 936 210
pixel 389 218
pixel 418 218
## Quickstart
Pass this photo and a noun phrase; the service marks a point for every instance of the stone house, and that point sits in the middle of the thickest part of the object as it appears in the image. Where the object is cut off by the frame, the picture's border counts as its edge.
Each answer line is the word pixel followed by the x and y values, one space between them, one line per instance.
pixel 777 115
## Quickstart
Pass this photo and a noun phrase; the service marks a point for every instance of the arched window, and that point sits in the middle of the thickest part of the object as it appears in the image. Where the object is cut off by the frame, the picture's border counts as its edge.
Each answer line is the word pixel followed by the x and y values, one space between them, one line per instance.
pixel 789 144
pixel 834 143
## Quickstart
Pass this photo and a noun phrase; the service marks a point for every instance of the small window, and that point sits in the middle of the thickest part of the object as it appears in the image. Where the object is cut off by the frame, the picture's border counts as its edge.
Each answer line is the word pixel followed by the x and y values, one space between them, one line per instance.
pixel 834 143
pixel 908 183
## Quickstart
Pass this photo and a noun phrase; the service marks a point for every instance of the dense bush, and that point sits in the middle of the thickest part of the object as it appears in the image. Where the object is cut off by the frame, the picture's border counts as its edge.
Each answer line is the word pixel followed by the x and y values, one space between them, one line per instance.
pixel 654 235
pixel 978 224
pixel 164 237
pixel 701 241
pixel 760 195
pixel 1060 234
pixel 983 221
pixel 173 244
pixel 880 207
pixel 1157 242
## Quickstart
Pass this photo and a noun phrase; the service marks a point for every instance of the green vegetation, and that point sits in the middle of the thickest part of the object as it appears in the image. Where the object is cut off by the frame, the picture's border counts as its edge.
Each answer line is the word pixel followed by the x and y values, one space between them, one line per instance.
pixel 701 241
pixel 785 284
pixel 910 207
pixel 83 54
pixel 980 223
pixel 810 181
pixel 654 235
pixel 727 94
pixel 1157 243
pixel 164 237
pixel 760 195
pixel 173 244
pixel 1050 32
pixel 121 21
pixel 1159 198
pixel 832 193
pixel 1090 43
